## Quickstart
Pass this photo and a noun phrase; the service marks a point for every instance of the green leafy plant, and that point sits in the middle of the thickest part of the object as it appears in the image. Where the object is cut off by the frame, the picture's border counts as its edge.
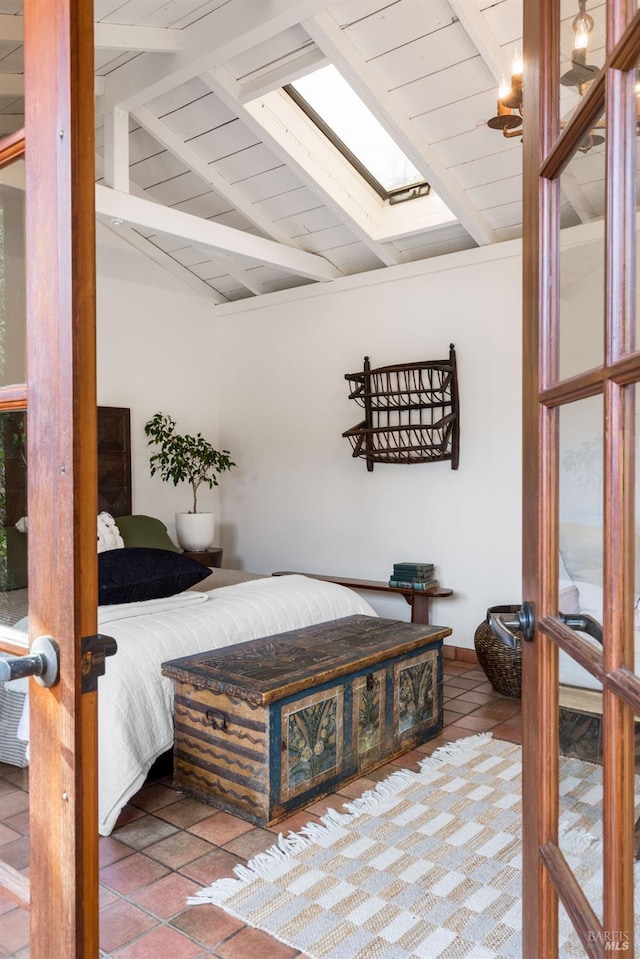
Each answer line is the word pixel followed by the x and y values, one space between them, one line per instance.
pixel 185 458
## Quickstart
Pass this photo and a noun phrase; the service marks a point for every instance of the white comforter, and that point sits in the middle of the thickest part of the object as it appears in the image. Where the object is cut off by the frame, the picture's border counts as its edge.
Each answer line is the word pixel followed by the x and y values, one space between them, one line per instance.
pixel 135 701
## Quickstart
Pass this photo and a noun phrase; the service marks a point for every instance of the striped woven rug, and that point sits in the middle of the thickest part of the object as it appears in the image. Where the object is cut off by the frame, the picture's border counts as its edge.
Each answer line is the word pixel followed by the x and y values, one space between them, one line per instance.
pixel 427 866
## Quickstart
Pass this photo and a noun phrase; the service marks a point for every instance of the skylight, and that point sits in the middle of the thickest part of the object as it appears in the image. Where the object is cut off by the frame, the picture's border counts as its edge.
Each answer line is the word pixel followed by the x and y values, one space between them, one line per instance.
pixel 340 113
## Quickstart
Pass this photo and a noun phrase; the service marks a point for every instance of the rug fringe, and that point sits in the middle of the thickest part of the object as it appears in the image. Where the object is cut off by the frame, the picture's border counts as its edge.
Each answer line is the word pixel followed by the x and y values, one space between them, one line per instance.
pixel 262 865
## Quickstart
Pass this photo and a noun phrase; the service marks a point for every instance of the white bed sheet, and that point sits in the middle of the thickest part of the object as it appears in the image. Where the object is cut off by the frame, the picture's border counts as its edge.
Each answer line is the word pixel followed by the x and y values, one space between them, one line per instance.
pixel 135 701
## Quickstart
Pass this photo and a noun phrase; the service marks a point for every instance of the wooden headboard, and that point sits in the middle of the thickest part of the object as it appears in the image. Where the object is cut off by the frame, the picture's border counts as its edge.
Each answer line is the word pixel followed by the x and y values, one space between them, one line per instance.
pixel 114 460
pixel 114 463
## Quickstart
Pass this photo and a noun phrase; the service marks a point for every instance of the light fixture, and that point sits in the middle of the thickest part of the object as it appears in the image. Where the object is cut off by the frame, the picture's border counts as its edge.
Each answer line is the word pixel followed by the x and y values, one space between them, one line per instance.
pixel 509 114
pixel 508 117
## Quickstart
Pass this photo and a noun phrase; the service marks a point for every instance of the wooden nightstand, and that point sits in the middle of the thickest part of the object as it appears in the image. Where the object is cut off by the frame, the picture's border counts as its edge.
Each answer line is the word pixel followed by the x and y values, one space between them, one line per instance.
pixel 208 557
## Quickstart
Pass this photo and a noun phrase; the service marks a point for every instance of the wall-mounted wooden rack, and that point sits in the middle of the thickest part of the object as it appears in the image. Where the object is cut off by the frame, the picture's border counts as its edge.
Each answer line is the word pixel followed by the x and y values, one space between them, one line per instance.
pixel 411 412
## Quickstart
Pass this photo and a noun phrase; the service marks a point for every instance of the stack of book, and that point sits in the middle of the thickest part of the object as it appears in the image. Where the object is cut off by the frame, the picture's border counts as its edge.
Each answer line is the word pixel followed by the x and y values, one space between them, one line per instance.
pixel 413 576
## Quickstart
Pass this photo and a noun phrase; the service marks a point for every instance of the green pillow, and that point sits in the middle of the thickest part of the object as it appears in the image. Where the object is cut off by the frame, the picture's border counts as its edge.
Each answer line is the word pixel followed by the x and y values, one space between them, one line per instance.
pixel 140 530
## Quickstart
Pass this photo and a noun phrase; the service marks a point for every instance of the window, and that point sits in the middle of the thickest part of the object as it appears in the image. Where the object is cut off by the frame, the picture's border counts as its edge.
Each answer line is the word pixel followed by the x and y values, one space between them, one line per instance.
pixel 338 111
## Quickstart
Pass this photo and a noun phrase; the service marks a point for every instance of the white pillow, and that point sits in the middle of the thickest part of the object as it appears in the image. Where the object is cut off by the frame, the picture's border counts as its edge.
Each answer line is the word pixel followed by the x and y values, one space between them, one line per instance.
pixel 108 533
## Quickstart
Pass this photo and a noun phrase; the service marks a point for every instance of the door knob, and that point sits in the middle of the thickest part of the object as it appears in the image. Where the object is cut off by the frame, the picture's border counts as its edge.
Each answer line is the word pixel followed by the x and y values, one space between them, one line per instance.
pixel 505 626
pixel 583 623
pixel 41 662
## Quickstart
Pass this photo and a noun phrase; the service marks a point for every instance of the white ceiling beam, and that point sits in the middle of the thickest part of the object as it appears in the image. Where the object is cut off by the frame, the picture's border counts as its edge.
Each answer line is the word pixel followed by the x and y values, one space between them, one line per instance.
pixel 113 36
pixel 205 171
pixel 225 33
pixel 146 246
pixel 482 36
pixel 108 36
pixel 287 70
pixel 116 149
pixel 364 80
pixel 123 207
pixel 337 189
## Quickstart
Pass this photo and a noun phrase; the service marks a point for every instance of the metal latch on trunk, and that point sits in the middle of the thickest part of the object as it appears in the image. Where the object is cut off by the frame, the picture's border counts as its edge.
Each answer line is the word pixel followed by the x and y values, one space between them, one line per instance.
pixel 95 650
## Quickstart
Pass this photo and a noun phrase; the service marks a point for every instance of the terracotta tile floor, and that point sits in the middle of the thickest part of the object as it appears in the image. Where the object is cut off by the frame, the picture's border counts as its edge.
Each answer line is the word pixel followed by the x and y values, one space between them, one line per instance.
pixel 167 845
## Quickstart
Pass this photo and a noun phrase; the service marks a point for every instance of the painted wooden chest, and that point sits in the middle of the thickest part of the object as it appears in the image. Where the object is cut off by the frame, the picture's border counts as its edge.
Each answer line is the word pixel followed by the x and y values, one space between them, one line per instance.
pixel 268 726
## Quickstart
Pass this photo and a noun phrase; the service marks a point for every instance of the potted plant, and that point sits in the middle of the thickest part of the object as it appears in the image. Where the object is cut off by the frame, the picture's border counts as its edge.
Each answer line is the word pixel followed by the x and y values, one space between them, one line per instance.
pixel 189 459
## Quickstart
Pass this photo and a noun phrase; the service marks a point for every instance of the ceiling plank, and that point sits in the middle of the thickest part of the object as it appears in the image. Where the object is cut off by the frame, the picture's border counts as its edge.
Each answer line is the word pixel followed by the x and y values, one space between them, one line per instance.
pixel 193 161
pixel 576 196
pixel 227 32
pixel 10 122
pixel 108 36
pixel 11 28
pixel 484 39
pixel 360 75
pixel 246 278
pixel 301 158
pixel 11 85
pixel 154 253
pixel 113 205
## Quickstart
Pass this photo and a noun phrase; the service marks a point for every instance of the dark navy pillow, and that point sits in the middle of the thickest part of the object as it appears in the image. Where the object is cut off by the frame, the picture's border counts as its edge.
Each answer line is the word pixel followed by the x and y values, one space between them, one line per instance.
pixel 136 573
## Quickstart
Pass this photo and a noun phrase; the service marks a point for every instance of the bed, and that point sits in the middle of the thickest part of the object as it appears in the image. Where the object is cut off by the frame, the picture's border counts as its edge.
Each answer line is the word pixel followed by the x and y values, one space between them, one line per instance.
pixel 199 611
pixel 135 702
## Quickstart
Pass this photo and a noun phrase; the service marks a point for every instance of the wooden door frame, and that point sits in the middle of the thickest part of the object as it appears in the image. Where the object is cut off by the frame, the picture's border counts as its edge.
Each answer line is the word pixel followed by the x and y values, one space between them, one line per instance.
pixel 545 873
pixel 62 482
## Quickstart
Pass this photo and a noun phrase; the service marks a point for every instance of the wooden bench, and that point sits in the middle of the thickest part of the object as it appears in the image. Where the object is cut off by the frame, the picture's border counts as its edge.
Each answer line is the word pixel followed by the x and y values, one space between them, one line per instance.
pixel 265 727
pixel 418 599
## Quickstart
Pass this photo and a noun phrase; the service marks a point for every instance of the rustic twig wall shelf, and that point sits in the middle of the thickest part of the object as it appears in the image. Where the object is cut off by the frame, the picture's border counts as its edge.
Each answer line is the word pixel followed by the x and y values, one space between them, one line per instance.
pixel 411 412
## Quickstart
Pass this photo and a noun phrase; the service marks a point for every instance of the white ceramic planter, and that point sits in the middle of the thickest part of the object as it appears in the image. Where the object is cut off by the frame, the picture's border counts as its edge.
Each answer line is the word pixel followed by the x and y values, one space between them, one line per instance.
pixel 195 531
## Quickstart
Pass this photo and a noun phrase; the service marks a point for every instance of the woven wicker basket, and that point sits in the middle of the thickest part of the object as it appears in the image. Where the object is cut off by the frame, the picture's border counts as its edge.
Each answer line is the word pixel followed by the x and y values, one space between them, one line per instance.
pixel 501 663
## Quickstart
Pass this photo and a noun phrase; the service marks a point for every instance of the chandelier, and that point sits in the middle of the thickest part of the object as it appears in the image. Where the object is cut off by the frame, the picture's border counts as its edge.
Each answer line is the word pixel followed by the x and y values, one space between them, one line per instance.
pixel 509 114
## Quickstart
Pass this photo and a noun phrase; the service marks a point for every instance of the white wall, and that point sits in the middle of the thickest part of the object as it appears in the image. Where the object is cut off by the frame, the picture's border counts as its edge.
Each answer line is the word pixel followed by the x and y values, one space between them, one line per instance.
pixel 155 352
pixel 299 500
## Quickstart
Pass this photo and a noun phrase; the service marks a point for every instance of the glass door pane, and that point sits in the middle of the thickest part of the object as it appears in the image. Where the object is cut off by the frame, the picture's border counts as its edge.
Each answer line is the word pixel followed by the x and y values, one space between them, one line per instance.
pixel 12 274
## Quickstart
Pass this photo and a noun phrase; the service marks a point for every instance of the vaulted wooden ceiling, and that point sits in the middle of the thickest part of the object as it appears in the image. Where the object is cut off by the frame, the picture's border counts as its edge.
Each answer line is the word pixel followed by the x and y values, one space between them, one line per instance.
pixel 198 166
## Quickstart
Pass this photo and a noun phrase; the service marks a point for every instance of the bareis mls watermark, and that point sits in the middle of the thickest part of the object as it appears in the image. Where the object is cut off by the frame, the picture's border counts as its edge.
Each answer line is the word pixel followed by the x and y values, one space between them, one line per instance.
pixel 612 941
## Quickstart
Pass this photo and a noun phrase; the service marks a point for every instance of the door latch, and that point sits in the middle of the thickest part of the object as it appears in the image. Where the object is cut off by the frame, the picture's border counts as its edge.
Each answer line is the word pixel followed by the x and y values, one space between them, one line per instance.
pixel 95 650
